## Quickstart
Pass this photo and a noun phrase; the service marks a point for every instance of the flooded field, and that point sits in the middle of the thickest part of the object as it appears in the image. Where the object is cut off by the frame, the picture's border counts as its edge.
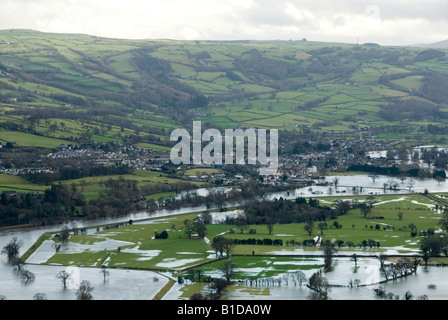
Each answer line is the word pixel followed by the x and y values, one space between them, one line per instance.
pixel 122 284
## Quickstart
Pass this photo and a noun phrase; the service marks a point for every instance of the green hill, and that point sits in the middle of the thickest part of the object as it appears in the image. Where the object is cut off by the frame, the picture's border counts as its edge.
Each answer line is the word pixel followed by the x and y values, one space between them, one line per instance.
pixel 76 88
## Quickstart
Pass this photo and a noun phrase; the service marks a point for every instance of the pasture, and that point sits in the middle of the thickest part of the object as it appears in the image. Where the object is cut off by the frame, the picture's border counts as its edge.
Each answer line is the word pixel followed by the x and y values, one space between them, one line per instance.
pixel 18 184
pixel 100 92
pixel 135 246
pixel 23 139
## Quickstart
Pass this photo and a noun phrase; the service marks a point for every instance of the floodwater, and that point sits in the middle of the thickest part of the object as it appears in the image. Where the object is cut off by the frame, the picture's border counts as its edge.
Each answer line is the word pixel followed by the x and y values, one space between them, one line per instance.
pixel 119 284
pixel 122 284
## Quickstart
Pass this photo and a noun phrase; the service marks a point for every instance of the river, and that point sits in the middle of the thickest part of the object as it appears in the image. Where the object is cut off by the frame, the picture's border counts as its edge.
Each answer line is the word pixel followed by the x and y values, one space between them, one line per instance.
pixel 134 285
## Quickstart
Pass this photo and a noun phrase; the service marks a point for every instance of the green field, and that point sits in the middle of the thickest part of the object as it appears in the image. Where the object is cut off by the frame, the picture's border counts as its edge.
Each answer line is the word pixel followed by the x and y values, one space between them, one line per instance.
pixel 18 184
pixel 22 139
pixel 139 250
pixel 100 89
pixel 94 187
pixel 134 246
pixel 381 224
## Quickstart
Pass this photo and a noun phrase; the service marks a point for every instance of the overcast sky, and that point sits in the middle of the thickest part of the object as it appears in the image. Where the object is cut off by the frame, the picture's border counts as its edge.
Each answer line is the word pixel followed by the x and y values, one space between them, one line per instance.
pixel 396 22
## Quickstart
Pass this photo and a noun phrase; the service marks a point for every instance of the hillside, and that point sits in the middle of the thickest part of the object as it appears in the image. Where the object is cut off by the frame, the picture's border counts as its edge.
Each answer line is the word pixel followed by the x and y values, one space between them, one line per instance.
pixel 85 121
pixel 71 88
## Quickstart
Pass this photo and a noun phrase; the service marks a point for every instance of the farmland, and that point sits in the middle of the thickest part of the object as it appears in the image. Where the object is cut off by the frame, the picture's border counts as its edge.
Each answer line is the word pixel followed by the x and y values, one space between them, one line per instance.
pixel 135 245
pixel 70 102
pixel 102 90
pixel 351 227
pixel 85 127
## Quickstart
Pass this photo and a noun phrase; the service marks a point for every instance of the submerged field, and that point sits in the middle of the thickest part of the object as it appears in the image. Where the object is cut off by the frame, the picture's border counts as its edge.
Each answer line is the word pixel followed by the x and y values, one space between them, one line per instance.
pixel 134 245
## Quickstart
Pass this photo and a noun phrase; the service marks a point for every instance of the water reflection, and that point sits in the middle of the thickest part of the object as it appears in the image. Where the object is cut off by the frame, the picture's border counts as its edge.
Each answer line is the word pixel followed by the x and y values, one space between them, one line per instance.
pixel 131 284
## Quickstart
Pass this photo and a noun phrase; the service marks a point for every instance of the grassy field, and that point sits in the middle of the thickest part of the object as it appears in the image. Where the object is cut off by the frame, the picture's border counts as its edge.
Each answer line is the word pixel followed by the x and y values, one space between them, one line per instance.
pixel 382 224
pixel 22 139
pixel 94 187
pixel 94 86
pixel 15 183
pixel 134 246
pixel 138 249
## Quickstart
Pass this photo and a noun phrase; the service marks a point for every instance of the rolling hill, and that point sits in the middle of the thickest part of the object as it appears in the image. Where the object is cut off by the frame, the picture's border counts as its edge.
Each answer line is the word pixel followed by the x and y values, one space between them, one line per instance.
pixel 76 88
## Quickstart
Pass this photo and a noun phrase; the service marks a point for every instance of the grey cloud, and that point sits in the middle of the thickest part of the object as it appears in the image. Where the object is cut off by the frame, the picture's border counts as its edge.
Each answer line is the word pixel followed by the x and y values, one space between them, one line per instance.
pixel 435 10
pixel 218 18
pixel 268 15
pixel 397 9
pixel 339 21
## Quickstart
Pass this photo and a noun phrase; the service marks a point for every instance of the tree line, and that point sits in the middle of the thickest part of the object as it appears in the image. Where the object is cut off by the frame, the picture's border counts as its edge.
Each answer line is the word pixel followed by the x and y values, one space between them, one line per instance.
pixel 284 211
pixel 74 172
pixel 396 171
pixel 61 203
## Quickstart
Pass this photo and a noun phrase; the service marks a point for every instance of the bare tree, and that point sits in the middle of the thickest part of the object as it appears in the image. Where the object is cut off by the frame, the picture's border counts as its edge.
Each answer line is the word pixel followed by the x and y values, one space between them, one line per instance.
pixel 199 272
pixel 64 276
pixel 309 226
pixel 200 228
pixel 319 284
pixel 439 179
pixel 382 258
pixel 218 285
pixel 370 200
pixel 270 227
pixel 27 276
pixel 322 226
pixel 241 223
pixel 393 184
pixel 336 182
pixel 228 246
pixel 84 291
pixel 197 296
pixel 329 250
pixel 365 209
pixel 12 248
pixel 189 228
pixel 300 277
pixel 228 268
pixel 65 234
pixel 18 264
pixel 40 296
pixel 355 258
pixel 221 244
pixel 105 273
pixel 56 246
pixel 217 245
pixel 411 184
pixel 408 295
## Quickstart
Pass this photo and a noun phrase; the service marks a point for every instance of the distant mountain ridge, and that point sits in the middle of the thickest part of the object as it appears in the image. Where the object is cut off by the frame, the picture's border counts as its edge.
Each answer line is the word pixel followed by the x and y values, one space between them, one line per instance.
pixel 436 45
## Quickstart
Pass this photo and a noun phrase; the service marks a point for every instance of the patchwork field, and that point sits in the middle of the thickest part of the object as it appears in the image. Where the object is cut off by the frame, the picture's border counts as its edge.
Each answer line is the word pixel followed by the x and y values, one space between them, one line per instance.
pixel 135 246
pixel 74 87
pixel 18 184
pixel 94 187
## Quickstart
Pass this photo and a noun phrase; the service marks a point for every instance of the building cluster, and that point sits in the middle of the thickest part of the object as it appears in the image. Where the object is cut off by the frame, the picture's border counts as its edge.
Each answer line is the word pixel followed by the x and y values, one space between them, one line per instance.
pixel 136 158
pixel 293 168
